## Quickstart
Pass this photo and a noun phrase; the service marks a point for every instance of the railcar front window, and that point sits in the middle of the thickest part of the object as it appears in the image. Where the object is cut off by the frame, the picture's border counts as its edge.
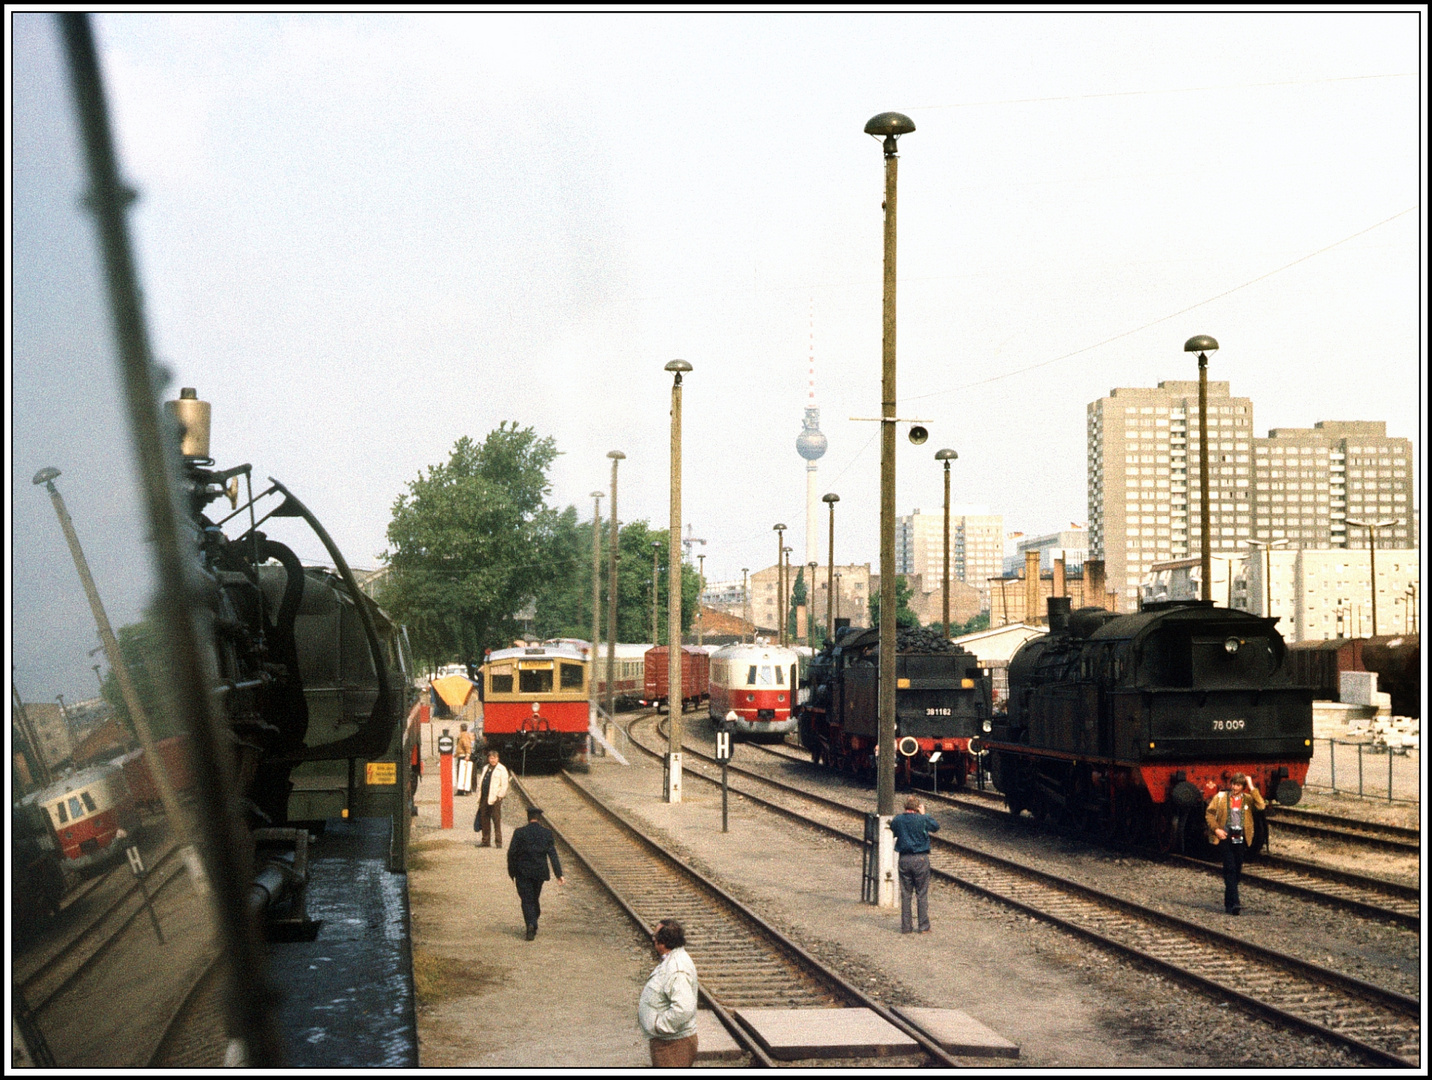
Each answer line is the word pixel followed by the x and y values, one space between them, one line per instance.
pixel 571 676
pixel 530 681
pixel 502 684
pixel 76 810
pixel 89 803
pixel 751 676
pixel 60 813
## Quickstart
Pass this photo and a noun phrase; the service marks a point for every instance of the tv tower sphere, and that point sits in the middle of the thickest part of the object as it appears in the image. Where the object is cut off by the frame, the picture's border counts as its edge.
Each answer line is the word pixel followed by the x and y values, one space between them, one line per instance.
pixel 811 443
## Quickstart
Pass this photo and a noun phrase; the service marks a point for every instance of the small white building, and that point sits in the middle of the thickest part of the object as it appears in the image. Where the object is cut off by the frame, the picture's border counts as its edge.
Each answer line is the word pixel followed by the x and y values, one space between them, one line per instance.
pixel 994 648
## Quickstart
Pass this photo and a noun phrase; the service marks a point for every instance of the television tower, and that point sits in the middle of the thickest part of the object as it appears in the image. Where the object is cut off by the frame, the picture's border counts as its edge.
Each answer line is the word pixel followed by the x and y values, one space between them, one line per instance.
pixel 811 444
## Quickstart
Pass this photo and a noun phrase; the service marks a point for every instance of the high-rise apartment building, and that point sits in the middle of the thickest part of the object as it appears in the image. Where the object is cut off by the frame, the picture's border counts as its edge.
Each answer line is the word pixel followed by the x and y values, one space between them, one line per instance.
pixel 976 548
pixel 1310 481
pixel 1143 454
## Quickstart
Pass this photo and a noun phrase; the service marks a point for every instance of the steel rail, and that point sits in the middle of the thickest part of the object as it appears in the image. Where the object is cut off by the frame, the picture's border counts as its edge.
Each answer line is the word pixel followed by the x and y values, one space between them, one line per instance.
pixel 843 989
pixel 1293 877
pixel 1391 1000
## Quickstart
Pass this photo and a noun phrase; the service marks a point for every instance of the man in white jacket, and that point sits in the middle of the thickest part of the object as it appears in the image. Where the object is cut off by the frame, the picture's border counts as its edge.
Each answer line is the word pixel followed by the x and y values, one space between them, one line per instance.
pixel 667 1009
pixel 492 789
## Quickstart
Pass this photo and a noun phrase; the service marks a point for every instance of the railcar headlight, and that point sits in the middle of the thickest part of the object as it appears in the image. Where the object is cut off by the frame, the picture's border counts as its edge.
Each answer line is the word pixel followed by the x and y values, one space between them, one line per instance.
pixel 1231 645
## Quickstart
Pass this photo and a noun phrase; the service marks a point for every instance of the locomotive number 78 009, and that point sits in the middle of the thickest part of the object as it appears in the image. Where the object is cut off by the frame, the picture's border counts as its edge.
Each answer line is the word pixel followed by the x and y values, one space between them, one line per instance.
pixel 1228 725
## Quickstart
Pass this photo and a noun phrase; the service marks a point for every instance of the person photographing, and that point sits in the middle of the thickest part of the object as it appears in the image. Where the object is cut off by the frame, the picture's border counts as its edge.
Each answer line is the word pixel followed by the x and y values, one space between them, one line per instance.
pixel 1230 828
pixel 912 831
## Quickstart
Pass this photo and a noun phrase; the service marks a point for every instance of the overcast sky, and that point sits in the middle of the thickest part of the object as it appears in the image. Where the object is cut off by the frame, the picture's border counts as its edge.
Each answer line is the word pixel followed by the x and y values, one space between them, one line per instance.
pixel 363 236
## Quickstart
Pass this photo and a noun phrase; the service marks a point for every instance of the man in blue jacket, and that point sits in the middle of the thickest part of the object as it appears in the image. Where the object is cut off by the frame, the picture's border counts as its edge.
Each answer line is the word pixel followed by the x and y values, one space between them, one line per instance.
pixel 531 849
pixel 912 841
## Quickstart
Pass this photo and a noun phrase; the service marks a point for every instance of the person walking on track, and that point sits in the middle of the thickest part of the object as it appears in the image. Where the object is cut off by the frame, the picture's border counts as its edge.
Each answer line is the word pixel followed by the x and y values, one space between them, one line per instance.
pixel 491 789
pixel 667 1008
pixel 532 848
pixel 912 841
pixel 1229 818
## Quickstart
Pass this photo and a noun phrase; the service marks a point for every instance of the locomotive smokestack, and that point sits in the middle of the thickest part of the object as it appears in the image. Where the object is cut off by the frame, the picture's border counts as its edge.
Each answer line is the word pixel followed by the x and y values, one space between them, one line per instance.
pixel 1058 614
pixel 192 416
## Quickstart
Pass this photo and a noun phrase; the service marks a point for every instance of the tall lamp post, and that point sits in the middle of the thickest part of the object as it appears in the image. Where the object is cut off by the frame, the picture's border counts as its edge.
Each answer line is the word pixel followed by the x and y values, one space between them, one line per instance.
pixel 1203 345
pixel 780 531
pixel 655 581
pixel 830 500
pixel 1267 547
pixel 701 576
pixel 616 456
pixel 1372 527
pixel 746 601
pixel 596 588
pixel 810 603
pixel 674 685
pixel 947 456
pixel 887 127
pixel 786 604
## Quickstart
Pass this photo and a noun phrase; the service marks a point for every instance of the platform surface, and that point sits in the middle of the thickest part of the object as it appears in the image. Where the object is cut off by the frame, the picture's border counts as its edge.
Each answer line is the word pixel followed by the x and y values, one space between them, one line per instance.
pixel 713 1041
pixel 959 1033
pixel 794 1034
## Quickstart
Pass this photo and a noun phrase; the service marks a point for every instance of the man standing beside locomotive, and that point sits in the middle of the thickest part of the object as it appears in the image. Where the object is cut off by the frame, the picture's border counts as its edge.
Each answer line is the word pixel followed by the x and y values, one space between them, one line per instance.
pixel 667 1009
pixel 1230 828
pixel 492 789
pixel 533 847
pixel 912 840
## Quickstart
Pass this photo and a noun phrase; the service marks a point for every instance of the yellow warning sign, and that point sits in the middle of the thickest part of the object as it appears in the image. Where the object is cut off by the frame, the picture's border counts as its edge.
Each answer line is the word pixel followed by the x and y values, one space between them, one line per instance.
pixel 382 772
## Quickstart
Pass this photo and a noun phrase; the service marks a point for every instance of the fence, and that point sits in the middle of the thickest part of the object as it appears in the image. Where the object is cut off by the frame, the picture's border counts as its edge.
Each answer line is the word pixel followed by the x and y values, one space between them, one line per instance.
pixel 1353 767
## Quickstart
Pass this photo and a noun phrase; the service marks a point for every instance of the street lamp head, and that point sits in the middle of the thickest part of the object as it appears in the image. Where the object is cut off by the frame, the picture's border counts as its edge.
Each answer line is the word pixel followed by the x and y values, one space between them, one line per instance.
pixel 889 126
pixel 946 456
pixel 598 494
pixel 1201 344
pixel 832 498
pixel 616 455
pixel 45 475
pixel 678 366
pixel 778 528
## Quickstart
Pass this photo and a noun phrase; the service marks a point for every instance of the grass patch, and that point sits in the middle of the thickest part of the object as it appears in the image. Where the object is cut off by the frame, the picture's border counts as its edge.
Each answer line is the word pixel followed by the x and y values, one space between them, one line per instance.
pixel 439 978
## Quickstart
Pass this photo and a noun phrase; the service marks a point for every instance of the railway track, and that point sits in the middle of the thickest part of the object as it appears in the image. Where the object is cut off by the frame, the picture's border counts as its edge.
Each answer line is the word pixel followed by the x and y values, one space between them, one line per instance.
pixel 1368 896
pixel 1331 827
pixel 1380 1026
pixel 743 961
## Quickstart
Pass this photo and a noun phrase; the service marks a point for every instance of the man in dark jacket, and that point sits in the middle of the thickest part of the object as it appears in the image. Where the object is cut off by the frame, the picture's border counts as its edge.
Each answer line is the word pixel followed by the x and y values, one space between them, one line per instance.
pixel 532 847
pixel 912 840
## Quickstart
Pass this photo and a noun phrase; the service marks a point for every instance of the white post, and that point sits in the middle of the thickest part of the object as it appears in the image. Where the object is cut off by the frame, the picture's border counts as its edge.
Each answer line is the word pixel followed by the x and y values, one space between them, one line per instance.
pixel 889 886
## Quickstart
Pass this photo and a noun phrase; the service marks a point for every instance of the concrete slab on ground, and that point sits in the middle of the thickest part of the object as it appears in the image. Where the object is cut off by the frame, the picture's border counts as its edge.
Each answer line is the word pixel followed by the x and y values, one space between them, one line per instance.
pixel 797 1034
pixel 713 1041
pixel 958 1032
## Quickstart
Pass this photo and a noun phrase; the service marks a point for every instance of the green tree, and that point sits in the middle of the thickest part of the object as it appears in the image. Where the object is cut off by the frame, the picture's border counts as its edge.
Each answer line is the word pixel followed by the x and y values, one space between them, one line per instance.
pixel 472 541
pixel 904 616
pixel 146 657
pixel 974 626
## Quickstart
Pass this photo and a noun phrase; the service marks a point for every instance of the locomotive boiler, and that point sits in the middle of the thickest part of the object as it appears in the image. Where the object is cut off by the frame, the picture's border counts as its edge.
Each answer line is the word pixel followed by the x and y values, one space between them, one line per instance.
pixel 1125 726
pixel 942 702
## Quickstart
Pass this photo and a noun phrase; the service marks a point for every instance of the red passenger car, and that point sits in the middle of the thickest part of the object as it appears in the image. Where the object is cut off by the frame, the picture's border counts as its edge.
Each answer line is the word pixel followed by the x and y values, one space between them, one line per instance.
pixel 695 676
pixel 87 810
pixel 535 703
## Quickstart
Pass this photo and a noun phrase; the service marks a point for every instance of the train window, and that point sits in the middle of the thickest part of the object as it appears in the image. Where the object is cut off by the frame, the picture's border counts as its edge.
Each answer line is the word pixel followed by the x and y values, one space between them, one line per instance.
pixel 780 675
pixel 76 810
pixel 89 802
pixel 571 676
pixel 502 684
pixel 60 812
pixel 751 676
pixel 538 681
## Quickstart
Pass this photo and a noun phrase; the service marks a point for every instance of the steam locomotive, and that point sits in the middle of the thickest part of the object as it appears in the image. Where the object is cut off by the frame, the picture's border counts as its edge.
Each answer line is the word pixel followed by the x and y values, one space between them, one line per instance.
pixel 942 702
pixel 1124 726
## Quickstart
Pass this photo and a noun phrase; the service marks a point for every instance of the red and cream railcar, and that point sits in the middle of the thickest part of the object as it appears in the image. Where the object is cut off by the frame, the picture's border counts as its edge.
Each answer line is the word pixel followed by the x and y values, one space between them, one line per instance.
pixel 535 702
pixel 757 683
pixel 695 676
pixel 90 810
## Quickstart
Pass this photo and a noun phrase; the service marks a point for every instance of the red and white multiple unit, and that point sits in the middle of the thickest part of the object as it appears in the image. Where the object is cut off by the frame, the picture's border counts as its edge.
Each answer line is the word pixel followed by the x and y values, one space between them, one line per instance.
pixel 758 683
pixel 535 703
pixel 695 676
pixel 87 810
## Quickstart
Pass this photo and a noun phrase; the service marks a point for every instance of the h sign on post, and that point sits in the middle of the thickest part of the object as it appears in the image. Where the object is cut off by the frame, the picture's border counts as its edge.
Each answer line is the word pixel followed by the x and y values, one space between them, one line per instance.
pixel 723 746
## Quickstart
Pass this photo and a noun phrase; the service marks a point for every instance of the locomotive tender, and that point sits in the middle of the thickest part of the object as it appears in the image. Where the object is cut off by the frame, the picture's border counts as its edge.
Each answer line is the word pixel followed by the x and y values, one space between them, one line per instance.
pixel 1126 725
pixel 942 702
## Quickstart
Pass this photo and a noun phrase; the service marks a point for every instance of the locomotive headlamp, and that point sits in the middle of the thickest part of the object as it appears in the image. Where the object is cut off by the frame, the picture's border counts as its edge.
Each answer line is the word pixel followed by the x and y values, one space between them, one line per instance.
pixel 988 727
pixel 1232 645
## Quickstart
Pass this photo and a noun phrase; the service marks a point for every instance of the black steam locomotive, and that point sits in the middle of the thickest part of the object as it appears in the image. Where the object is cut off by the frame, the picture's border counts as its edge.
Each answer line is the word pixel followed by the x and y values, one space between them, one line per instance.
pixel 1125 726
pixel 942 701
